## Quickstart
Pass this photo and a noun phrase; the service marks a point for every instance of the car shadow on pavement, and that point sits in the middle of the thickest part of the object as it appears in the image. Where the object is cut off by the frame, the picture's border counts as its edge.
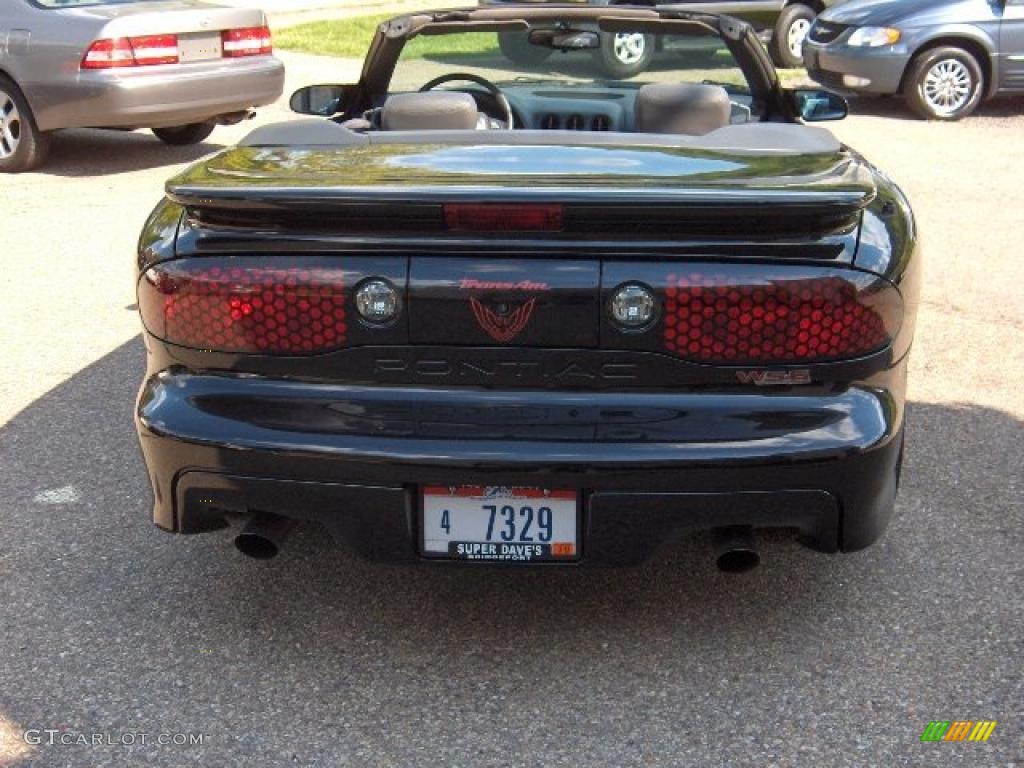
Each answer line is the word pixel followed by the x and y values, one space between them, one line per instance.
pixel 87 152
pixel 896 107
pixel 97 605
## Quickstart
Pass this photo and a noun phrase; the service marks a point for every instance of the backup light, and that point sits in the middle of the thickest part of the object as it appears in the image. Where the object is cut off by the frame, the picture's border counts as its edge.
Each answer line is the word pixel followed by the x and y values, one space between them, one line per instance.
pixel 377 301
pixel 633 306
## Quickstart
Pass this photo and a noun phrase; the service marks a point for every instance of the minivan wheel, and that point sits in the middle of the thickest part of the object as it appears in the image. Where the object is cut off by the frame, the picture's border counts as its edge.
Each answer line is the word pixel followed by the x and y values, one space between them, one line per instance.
pixel 22 145
pixel 944 84
pixel 624 54
pixel 787 43
pixel 182 135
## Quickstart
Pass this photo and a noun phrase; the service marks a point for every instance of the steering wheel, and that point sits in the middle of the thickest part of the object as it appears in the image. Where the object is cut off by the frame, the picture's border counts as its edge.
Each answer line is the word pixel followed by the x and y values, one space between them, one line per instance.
pixel 469 77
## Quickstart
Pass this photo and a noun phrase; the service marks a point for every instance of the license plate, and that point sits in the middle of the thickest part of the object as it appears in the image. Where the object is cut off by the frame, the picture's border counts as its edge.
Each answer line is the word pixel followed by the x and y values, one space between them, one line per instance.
pixel 200 47
pixel 500 524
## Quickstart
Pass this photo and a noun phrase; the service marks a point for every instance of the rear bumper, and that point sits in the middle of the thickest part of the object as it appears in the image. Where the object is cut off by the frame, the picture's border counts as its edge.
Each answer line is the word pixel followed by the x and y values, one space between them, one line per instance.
pixel 648 466
pixel 155 97
pixel 863 70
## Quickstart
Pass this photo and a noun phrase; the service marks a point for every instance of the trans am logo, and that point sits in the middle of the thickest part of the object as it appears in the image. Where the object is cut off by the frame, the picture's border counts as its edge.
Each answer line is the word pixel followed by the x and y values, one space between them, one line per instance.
pixel 502 327
pixel 506 323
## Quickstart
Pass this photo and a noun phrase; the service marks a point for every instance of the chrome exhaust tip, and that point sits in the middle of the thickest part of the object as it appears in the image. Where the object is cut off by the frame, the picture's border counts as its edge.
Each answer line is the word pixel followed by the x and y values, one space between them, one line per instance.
pixel 263 536
pixel 735 549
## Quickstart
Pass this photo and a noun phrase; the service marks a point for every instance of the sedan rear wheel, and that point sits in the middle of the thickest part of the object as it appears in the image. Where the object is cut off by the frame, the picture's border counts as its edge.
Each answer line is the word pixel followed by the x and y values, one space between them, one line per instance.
pixel 182 135
pixel 22 145
pixel 944 84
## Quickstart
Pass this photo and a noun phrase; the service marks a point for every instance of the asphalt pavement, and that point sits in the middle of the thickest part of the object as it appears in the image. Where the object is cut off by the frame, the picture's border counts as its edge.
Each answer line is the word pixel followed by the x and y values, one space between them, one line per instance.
pixel 110 628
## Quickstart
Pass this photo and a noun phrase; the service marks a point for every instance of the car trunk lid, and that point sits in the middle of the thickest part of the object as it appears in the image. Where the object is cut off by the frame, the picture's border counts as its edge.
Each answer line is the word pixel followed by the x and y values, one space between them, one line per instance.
pixel 645 191
pixel 177 17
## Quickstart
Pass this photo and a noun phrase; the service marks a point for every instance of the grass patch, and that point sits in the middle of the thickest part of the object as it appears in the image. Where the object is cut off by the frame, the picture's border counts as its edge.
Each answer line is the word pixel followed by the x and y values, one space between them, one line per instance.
pixel 350 39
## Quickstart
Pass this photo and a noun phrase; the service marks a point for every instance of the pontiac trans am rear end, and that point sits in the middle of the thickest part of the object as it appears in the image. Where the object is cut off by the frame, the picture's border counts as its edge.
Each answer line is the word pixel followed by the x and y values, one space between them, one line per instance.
pixel 444 333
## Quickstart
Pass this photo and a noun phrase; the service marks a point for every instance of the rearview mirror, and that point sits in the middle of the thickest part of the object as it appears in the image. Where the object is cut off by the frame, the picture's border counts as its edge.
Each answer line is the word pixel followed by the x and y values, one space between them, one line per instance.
pixel 565 40
pixel 320 100
pixel 816 106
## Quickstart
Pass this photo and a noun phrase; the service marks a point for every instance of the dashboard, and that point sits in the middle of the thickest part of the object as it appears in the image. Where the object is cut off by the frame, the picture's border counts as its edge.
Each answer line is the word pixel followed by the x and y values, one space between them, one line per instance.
pixel 554 107
pixel 543 108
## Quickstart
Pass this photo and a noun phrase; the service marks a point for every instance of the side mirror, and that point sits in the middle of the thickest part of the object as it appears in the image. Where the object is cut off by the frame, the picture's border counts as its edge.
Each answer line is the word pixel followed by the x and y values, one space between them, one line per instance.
pixel 816 106
pixel 321 100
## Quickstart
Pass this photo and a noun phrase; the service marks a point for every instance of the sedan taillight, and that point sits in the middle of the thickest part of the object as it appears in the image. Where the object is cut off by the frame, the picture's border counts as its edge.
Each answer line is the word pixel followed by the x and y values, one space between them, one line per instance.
pixel 251 41
pixel 279 307
pixel 143 51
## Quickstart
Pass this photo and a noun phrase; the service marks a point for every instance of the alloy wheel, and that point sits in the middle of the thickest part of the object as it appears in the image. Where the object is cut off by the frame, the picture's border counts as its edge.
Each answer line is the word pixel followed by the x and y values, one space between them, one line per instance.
pixel 796 36
pixel 947 86
pixel 10 126
pixel 629 47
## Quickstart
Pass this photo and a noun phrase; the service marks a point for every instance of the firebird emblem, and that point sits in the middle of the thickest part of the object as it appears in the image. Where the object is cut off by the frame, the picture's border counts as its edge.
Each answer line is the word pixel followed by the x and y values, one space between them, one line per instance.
pixel 502 328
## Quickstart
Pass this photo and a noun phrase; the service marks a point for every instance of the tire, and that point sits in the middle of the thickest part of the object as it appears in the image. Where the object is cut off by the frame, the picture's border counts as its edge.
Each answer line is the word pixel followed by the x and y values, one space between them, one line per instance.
pixel 623 54
pixel 517 48
pixel 22 145
pixel 787 43
pixel 945 83
pixel 183 135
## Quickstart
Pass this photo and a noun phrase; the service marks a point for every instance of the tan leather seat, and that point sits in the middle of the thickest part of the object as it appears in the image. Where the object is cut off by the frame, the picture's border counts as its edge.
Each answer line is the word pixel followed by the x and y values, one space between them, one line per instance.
pixel 691 109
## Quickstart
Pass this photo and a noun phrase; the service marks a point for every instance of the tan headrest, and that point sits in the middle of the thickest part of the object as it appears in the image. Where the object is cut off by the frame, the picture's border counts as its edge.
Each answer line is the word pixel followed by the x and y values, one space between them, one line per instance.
pixel 691 109
pixel 430 111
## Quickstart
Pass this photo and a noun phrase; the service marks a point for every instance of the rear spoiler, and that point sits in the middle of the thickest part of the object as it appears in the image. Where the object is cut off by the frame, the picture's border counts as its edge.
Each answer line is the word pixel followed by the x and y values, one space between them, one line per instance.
pixel 692 201
pixel 634 218
pixel 650 192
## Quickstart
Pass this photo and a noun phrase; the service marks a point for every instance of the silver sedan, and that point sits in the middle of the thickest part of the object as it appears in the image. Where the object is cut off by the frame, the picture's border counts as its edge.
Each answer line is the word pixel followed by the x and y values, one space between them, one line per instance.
pixel 178 67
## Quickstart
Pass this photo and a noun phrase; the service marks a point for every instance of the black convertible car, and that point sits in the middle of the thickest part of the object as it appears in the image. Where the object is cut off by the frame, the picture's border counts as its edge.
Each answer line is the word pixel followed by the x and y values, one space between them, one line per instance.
pixel 478 314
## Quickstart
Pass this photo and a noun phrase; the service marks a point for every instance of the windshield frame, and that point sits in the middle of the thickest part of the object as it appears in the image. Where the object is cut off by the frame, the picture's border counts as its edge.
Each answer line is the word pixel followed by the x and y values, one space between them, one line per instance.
pixel 738 36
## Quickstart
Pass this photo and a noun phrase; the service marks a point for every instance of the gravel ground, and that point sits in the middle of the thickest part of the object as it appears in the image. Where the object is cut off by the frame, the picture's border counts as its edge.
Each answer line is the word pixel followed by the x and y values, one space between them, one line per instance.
pixel 318 659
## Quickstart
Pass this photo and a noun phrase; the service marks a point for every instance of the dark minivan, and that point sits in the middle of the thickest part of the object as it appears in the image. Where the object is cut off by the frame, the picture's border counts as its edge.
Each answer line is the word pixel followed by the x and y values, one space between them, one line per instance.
pixel 944 56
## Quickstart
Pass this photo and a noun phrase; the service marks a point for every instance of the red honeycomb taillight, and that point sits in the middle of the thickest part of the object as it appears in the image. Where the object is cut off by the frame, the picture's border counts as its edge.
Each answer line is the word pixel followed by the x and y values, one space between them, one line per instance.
pixel 273 308
pixel 751 315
